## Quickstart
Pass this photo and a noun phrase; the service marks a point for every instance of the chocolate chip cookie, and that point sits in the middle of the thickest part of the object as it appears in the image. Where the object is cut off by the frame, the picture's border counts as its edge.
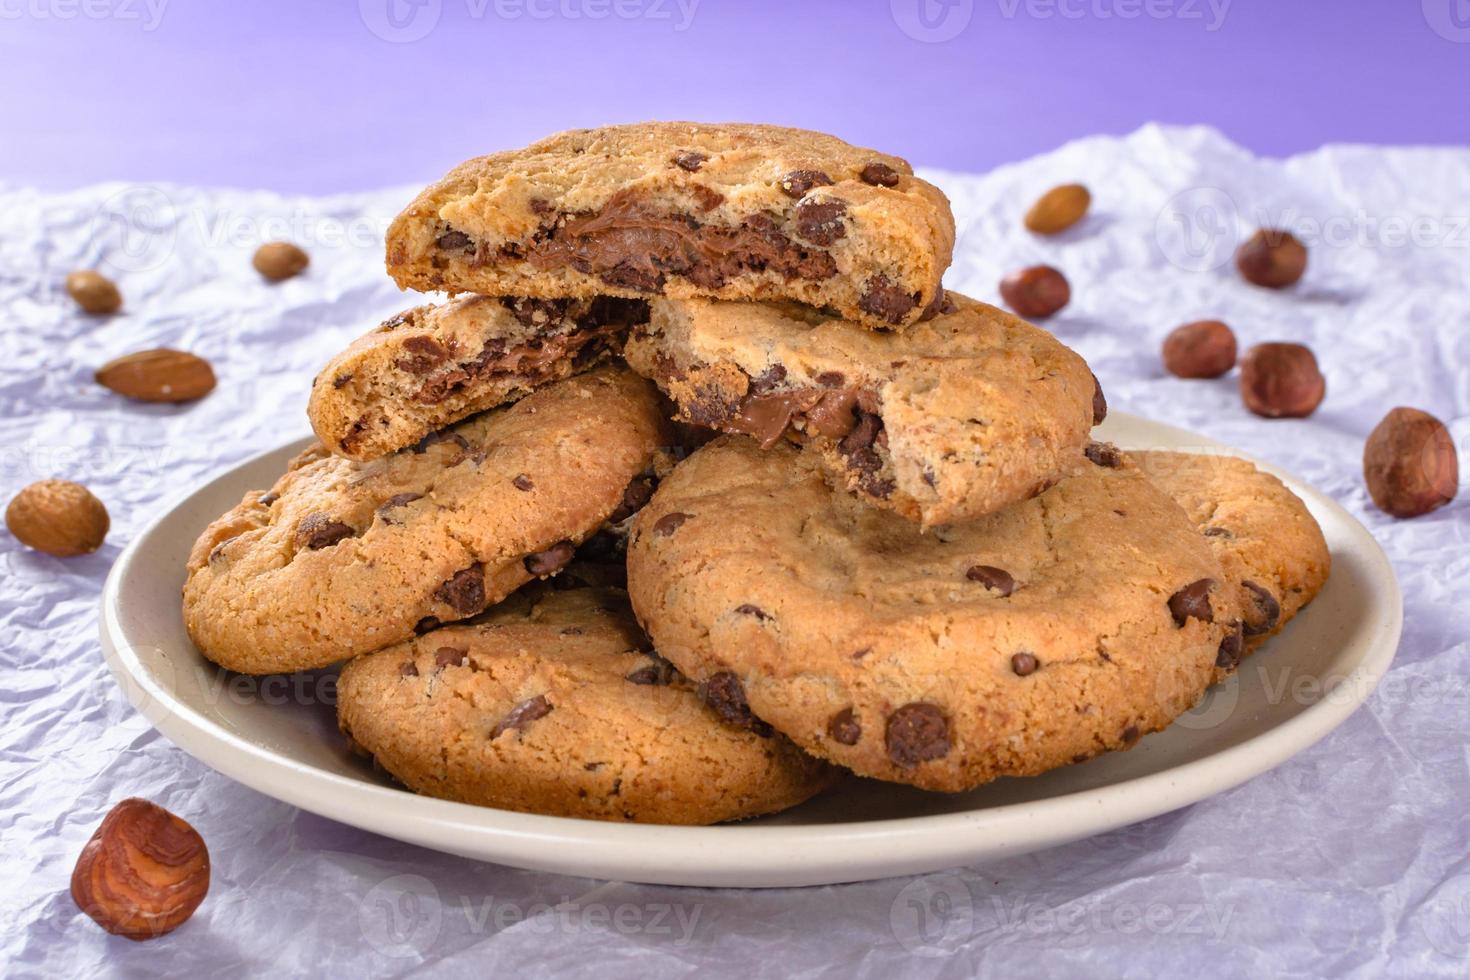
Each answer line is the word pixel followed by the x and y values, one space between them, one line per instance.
pixel 434 365
pixel 1059 628
pixel 730 211
pixel 1270 546
pixel 948 420
pixel 341 558
pixel 555 703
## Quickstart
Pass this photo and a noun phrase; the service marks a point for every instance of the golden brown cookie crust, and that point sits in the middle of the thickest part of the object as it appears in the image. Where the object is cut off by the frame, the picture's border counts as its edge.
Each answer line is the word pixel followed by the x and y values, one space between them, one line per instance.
pixel 975 409
pixel 1059 628
pixel 732 211
pixel 556 705
pixel 341 558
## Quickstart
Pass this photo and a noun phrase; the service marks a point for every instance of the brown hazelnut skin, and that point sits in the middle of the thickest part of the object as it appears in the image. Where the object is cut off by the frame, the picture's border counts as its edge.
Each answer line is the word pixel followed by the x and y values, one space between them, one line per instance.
pixel 278 261
pixel 1272 258
pixel 1035 292
pixel 94 292
pixel 1410 464
pixel 1203 349
pixel 1281 381
pixel 58 517
pixel 143 872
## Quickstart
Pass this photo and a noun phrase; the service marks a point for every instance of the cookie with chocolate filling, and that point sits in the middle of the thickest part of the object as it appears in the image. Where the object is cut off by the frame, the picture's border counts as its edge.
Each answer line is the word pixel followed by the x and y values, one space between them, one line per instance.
pixel 555 703
pixel 730 211
pixel 948 420
pixel 1271 548
pixel 341 558
pixel 1065 626
pixel 431 366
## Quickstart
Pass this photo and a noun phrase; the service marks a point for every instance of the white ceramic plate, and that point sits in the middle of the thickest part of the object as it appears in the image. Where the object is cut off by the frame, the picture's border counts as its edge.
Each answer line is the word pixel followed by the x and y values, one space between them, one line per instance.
pixel 279 736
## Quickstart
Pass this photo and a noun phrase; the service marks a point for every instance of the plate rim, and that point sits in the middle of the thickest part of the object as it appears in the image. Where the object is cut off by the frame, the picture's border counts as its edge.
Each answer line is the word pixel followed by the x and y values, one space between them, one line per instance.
pixel 814 853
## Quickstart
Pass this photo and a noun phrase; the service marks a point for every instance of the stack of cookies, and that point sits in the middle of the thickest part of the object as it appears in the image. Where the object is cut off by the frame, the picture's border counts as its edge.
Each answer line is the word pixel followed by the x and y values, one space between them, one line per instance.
pixel 704 491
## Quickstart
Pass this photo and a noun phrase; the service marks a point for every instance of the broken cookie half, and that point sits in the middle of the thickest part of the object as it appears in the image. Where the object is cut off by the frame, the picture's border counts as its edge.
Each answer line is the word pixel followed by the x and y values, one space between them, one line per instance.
pixel 953 418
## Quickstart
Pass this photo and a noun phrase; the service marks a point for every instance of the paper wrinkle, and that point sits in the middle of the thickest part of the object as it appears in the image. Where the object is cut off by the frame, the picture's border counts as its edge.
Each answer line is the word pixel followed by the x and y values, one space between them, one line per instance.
pixel 1350 859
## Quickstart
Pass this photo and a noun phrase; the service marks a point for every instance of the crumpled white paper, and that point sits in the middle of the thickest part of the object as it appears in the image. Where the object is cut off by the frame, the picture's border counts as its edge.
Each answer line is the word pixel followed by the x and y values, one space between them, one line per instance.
pixel 1349 860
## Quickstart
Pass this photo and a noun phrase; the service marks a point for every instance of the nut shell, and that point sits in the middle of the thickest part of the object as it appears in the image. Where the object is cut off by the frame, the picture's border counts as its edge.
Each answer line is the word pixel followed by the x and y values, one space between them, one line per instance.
pixel 1036 292
pixel 1410 464
pixel 58 517
pixel 1203 349
pixel 280 260
pixel 94 292
pixel 160 375
pixel 1272 258
pixel 1281 381
pixel 143 873
pixel 1058 209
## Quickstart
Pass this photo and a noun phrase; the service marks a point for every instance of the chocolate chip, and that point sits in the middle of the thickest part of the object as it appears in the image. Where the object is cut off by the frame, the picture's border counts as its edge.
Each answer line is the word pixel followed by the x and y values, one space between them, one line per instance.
pixel 434 438
pixel 1099 402
pixel 724 693
pixel 1024 663
pixel 798 182
pixel 637 493
pixel 341 380
pixel 408 669
pixel 747 609
pixel 1130 734
pixel 820 222
pixel 451 657
pixel 689 160
pixel 1231 647
pixel 844 727
pixel 465 591
pixel 319 531
pixel 523 482
pixel 831 379
pixel 863 434
pixel 884 299
pixel 1104 454
pixel 767 379
pixel 1193 602
pixel 879 175
pixel 552 560
pixel 659 673
pixel 396 501
pixel 452 240
pixel 991 577
pixel 530 312
pixel 709 199
pixel 1218 532
pixel 669 523
pixel 266 499
pixel 1266 611
pixel 539 205
pixel 522 715
pixel 917 732
pixel 422 354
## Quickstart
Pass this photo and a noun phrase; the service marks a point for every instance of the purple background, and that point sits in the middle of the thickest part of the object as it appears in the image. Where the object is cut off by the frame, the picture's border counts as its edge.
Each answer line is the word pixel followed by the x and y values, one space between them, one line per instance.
pixel 299 96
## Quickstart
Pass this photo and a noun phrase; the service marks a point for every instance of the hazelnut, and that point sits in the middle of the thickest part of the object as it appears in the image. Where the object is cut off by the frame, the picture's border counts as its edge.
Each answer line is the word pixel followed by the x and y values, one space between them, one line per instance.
pixel 160 375
pixel 1058 209
pixel 280 260
pixel 94 292
pixel 1410 464
pixel 143 873
pixel 1203 349
pixel 58 517
pixel 1272 258
pixel 1036 292
pixel 1281 381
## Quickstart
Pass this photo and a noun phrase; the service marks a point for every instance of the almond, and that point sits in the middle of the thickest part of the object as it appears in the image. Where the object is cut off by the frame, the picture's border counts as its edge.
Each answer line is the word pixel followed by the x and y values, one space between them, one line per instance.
pixel 143 873
pixel 58 517
pixel 278 261
pixel 160 375
pixel 1058 209
pixel 94 292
